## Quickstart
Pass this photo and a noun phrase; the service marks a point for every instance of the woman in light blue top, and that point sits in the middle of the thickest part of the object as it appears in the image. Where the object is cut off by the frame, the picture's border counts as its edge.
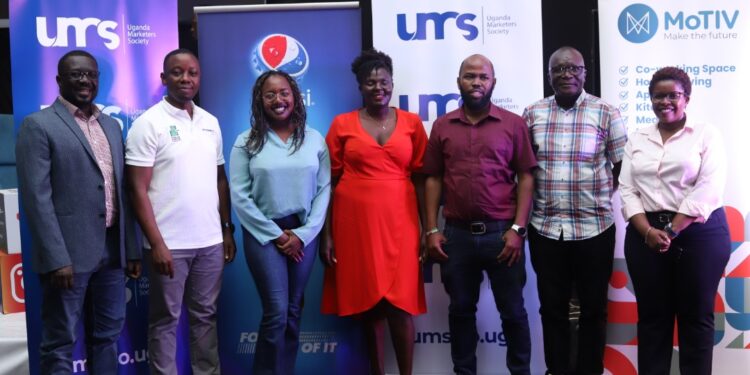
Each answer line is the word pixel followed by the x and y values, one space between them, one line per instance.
pixel 280 183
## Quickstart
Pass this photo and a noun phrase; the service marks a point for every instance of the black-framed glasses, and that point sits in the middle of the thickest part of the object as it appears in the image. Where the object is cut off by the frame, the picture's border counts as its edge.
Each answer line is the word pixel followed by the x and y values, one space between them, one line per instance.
pixel 572 69
pixel 674 95
pixel 79 74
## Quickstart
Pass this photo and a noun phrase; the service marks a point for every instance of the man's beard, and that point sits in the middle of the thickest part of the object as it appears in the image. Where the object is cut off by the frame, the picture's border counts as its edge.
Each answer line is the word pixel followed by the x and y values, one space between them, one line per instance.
pixel 476 104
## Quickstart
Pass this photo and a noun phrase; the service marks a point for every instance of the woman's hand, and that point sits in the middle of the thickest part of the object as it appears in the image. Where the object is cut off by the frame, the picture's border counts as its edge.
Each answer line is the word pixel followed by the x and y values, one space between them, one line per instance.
pixel 658 239
pixel 292 247
pixel 326 252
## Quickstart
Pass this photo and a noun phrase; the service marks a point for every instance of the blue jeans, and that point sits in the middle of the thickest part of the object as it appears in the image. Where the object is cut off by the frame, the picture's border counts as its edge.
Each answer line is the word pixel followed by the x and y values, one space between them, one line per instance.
pixel 468 256
pixel 98 298
pixel 281 284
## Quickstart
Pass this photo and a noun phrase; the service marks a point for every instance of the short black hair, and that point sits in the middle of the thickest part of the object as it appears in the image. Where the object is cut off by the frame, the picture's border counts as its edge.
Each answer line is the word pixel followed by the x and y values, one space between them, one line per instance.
pixel 369 61
pixel 178 51
pixel 76 52
pixel 671 73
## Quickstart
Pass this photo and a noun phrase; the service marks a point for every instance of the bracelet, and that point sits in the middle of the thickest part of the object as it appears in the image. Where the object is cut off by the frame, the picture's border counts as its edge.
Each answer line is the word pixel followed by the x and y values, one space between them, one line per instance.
pixel 645 238
pixel 432 231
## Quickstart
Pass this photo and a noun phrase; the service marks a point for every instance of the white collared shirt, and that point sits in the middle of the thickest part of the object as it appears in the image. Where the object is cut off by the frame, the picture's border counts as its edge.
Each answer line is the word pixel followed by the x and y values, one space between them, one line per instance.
pixel 686 174
pixel 184 153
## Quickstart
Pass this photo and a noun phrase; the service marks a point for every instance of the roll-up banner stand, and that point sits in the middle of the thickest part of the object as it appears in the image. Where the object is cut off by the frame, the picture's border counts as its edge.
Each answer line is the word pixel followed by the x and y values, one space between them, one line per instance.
pixel 129 39
pixel 319 42
pixel 427 40
pixel 709 41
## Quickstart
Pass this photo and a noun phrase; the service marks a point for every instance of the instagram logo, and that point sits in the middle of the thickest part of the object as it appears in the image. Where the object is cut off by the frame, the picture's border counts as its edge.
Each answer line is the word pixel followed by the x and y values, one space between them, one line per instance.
pixel 16 283
pixel 11 279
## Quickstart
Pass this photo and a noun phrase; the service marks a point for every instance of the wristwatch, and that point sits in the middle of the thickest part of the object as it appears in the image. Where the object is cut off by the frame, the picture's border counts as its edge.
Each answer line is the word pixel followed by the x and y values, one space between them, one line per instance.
pixel 671 232
pixel 520 230
pixel 228 225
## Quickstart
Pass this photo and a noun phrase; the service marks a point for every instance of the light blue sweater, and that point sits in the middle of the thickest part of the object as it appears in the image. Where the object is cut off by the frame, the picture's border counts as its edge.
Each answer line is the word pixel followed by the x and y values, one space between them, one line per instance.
pixel 274 184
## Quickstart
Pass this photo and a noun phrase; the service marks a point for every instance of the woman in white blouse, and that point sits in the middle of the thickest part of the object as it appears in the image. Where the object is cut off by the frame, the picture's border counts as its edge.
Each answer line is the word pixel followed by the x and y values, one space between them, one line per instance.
pixel 677 243
pixel 280 178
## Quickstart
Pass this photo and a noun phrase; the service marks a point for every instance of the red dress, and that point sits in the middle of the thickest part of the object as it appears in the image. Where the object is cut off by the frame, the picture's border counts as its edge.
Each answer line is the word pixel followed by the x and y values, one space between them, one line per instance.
pixel 375 223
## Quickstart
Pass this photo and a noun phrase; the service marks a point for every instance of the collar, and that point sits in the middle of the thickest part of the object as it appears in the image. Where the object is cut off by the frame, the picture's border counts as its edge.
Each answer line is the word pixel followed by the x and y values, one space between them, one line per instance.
pixel 174 111
pixel 577 103
pixel 652 132
pixel 76 112
pixel 459 115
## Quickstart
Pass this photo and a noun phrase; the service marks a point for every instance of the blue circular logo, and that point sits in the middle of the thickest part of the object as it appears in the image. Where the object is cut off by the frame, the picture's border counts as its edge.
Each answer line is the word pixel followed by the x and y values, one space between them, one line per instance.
pixel 280 52
pixel 638 23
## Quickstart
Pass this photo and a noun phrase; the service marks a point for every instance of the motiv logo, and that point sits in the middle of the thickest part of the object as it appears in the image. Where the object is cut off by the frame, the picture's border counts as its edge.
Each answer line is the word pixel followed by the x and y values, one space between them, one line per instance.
pixel 105 29
pixel 463 22
pixel 638 23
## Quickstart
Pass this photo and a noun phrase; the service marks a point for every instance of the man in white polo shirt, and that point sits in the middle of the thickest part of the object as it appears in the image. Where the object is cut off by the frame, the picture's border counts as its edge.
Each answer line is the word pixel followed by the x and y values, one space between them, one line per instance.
pixel 180 195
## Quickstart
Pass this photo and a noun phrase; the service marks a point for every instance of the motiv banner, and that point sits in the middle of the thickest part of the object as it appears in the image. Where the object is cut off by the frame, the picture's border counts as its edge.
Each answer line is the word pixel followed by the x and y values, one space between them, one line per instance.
pixel 427 40
pixel 129 39
pixel 709 41
pixel 318 43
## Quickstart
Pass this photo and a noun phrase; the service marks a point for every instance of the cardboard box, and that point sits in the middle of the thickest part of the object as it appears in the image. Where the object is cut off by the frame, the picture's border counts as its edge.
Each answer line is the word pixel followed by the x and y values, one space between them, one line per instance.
pixel 10 228
pixel 11 280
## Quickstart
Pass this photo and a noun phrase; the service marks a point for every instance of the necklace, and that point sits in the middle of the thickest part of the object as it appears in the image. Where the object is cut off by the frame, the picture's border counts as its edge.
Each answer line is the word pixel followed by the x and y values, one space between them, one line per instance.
pixel 381 124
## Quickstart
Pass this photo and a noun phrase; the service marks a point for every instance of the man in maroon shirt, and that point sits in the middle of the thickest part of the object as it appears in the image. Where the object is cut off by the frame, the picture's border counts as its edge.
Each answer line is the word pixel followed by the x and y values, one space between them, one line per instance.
pixel 473 157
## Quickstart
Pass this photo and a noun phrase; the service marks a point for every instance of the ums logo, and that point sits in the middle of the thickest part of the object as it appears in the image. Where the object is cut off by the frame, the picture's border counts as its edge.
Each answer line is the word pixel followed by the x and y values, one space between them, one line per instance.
pixel 438 21
pixel 638 23
pixel 105 29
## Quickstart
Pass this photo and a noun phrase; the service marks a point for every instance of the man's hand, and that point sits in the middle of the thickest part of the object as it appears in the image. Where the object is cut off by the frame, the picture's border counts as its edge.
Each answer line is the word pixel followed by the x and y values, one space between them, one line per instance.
pixel 161 258
pixel 513 248
pixel 435 243
pixel 62 278
pixel 133 269
pixel 327 255
pixel 230 248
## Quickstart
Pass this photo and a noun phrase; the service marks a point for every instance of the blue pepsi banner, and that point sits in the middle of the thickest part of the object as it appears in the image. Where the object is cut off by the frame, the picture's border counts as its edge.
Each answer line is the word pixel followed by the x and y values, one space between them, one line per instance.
pixel 129 39
pixel 315 44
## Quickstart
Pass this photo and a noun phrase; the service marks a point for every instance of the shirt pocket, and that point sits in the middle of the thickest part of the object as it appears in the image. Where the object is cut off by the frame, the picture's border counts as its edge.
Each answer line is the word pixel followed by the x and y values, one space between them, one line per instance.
pixel 588 143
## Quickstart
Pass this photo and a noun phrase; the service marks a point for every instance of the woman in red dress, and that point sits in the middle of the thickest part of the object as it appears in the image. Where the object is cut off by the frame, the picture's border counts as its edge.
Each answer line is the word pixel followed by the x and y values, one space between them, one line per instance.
pixel 372 239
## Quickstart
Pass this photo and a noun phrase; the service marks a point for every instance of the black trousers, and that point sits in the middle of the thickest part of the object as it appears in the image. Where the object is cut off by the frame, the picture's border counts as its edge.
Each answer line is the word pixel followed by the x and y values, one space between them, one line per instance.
pixel 680 283
pixel 559 266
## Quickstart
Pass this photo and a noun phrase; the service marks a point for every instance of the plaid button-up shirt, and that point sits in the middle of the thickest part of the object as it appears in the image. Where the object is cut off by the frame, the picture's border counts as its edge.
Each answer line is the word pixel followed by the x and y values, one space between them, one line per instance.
pixel 575 149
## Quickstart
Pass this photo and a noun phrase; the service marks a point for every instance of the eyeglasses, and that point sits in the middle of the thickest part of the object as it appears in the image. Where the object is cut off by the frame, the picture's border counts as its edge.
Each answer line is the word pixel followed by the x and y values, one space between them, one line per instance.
pixel 674 95
pixel 270 96
pixel 572 69
pixel 78 75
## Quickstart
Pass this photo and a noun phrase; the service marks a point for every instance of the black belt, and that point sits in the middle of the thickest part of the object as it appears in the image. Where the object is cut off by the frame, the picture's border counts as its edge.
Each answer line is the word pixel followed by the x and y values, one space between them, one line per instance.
pixel 477 227
pixel 288 222
pixel 659 219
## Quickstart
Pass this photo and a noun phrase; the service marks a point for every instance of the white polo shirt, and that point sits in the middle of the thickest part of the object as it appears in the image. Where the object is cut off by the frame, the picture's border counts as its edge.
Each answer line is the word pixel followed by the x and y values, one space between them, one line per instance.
pixel 184 154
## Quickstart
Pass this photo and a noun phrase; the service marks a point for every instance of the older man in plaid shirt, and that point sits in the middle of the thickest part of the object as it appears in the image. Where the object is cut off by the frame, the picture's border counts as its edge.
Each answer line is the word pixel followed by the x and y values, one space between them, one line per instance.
pixel 578 140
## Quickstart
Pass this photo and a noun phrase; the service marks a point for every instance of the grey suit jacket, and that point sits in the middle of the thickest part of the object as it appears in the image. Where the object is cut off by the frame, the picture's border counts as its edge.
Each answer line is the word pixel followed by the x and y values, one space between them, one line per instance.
pixel 62 192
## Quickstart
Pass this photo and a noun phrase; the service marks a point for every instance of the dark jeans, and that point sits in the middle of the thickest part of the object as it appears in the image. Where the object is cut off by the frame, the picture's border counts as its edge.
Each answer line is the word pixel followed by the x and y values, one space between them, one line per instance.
pixel 99 298
pixel 281 284
pixel 468 256
pixel 678 284
pixel 559 265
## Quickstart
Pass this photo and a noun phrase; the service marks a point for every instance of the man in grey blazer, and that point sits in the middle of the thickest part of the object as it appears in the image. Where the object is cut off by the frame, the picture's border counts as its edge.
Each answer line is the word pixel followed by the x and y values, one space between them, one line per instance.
pixel 70 162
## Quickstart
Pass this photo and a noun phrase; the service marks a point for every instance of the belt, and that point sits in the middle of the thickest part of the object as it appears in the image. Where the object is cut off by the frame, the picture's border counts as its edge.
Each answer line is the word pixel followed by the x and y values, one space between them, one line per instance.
pixel 660 217
pixel 288 222
pixel 477 227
